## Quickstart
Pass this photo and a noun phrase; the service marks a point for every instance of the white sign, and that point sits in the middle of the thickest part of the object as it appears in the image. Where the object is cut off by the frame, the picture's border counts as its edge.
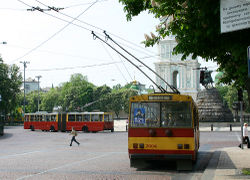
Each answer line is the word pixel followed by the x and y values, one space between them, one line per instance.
pixel 234 15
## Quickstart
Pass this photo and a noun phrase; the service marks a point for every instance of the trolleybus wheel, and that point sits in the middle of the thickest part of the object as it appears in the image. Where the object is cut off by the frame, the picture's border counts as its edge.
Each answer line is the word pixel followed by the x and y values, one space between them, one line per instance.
pixel 85 129
pixel 52 128
pixel 32 128
pixel 112 130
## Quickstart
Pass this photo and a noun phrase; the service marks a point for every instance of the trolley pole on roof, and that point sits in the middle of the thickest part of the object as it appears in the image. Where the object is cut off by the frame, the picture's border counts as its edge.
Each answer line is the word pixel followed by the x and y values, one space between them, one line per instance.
pixel 24 66
pixel 38 77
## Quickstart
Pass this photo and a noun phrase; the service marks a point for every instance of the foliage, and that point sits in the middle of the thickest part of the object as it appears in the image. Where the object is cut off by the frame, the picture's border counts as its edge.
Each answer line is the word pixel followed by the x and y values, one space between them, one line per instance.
pixel 246 171
pixel 10 84
pixel 229 96
pixel 196 27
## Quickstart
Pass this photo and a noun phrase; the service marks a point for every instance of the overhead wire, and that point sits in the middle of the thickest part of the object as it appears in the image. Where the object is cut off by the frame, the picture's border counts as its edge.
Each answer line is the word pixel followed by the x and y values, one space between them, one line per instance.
pixel 69 23
pixel 93 26
pixel 115 64
pixel 75 67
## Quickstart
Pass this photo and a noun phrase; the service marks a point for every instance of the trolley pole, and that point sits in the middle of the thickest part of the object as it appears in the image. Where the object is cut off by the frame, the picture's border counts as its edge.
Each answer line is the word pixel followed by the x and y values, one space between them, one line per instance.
pixel 38 77
pixel 24 66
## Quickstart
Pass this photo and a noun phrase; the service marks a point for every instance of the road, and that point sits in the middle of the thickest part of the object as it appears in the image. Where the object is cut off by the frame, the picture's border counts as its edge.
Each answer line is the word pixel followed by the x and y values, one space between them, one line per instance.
pixel 28 154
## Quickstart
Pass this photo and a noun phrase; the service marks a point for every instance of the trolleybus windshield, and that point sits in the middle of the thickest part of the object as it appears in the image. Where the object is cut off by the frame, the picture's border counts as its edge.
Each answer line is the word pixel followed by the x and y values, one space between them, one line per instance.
pixel 160 114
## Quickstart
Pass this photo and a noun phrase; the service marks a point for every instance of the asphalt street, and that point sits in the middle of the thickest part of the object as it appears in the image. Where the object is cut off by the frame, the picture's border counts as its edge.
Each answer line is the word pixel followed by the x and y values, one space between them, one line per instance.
pixel 26 154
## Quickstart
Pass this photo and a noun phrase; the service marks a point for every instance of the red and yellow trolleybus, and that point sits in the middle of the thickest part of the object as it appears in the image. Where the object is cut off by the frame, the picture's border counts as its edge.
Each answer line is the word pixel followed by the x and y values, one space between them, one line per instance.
pixel 81 121
pixel 163 126
pixel 90 121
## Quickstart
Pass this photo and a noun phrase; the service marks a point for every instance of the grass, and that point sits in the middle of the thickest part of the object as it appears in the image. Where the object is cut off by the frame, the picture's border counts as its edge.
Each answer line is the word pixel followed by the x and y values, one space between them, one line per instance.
pixel 246 171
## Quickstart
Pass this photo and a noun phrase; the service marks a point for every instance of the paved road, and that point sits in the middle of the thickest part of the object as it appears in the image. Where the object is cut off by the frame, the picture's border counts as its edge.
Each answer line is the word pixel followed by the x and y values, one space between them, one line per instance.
pixel 26 154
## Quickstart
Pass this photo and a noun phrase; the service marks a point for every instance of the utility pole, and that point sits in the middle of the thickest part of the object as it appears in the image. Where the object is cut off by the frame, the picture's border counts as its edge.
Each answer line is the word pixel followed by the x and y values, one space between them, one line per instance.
pixel 38 77
pixel 24 66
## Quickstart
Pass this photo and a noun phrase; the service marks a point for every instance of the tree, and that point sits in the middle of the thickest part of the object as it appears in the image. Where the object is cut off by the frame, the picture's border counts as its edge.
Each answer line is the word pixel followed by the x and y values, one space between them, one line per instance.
pixel 196 27
pixel 10 84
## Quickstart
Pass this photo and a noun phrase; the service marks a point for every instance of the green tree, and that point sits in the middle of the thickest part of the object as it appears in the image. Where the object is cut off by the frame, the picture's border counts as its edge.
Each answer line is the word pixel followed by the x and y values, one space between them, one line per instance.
pixel 10 84
pixel 196 27
pixel 76 93
pixel 49 100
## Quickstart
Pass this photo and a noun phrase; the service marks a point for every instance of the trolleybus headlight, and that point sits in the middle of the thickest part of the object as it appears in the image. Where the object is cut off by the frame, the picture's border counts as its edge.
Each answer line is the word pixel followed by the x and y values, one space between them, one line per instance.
pixel 179 146
pixel 135 145
pixel 168 132
pixel 186 146
pixel 141 145
pixel 152 132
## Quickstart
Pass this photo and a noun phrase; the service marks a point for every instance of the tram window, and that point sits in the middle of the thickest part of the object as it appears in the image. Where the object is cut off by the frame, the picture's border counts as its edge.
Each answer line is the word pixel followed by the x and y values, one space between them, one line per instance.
pixel 106 117
pixel 145 115
pixel 176 114
pixel 31 117
pixel 71 117
pixel 86 117
pixel 94 117
pixel 40 117
pixel 78 117
pixel 53 118
pixel 36 117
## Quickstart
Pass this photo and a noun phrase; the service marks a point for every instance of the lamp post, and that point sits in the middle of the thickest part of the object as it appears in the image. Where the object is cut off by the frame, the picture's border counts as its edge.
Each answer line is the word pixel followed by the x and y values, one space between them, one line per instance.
pixel 24 66
pixel 38 77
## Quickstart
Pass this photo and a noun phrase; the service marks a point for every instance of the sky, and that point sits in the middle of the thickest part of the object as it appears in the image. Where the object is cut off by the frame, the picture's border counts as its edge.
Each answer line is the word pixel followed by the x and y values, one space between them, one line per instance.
pixel 59 44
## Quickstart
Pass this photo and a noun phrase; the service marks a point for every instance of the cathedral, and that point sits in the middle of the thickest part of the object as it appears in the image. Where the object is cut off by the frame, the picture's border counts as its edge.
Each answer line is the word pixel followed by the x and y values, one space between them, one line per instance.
pixel 184 75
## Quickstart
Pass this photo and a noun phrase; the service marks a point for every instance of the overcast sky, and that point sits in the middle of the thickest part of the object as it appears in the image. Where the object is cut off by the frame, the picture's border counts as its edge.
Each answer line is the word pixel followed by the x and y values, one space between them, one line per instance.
pixel 56 49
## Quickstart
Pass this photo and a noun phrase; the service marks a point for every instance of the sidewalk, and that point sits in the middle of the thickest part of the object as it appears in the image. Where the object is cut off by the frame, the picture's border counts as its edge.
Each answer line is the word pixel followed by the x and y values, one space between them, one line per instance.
pixel 228 164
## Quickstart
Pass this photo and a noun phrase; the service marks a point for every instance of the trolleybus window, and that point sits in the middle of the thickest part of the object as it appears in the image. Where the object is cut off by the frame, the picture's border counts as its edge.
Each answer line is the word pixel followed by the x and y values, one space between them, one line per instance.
pixel 71 117
pixel 78 117
pixel 106 117
pixel 95 117
pixel 86 117
pixel 164 114
pixel 53 118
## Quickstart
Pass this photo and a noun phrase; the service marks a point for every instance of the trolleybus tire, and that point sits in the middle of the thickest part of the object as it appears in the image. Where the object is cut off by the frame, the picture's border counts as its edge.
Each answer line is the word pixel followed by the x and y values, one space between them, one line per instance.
pixel 112 130
pixel 85 129
pixel 52 128
pixel 32 128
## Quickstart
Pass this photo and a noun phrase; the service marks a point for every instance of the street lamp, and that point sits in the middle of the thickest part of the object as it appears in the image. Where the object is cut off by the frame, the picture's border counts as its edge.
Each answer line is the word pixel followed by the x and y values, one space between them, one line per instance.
pixel 24 66
pixel 38 77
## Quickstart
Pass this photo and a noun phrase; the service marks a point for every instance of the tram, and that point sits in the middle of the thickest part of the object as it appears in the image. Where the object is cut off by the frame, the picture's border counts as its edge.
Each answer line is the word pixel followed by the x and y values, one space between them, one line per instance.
pixel 163 126
pixel 81 121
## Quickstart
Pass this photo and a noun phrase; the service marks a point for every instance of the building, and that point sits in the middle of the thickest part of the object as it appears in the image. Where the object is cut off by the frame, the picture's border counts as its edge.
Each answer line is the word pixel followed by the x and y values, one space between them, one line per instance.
pixel 30 85
pixel 184 75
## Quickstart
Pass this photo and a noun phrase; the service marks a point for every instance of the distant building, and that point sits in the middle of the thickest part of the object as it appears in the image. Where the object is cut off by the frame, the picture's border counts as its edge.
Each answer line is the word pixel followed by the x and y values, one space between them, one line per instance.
pixel 139 87
pixel 184 75
pixel 30 85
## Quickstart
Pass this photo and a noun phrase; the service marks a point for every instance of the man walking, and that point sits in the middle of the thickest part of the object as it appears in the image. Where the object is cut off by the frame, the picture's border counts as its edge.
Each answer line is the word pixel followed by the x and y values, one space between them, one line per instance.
pixel 74 134
pixel 245 136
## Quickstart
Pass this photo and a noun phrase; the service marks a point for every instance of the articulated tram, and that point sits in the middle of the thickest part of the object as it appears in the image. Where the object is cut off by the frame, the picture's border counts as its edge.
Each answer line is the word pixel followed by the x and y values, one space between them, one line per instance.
pixel 163 126
pixel 81 121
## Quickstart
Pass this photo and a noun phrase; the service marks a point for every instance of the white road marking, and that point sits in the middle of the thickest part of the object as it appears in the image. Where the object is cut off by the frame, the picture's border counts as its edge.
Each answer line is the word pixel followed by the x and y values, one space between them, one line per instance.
pixel 49 170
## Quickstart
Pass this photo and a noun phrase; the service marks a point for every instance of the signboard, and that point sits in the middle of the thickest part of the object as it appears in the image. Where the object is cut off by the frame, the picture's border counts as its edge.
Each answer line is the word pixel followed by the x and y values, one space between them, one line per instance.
pixel 248 60
pixel 234 15
pixel 139 116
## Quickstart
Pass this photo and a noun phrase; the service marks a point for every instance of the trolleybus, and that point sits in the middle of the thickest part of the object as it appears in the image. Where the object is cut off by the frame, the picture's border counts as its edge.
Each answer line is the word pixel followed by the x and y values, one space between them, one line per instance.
pixel 163 126
pixel 81 121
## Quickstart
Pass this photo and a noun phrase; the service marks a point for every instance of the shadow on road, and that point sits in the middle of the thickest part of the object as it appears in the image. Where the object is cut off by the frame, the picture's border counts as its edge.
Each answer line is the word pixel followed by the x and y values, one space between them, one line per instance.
pixel 6 135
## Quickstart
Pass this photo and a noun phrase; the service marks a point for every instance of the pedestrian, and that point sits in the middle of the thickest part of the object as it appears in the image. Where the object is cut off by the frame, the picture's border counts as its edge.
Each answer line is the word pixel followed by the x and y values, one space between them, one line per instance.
pixel 74 134
pixel 245 136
